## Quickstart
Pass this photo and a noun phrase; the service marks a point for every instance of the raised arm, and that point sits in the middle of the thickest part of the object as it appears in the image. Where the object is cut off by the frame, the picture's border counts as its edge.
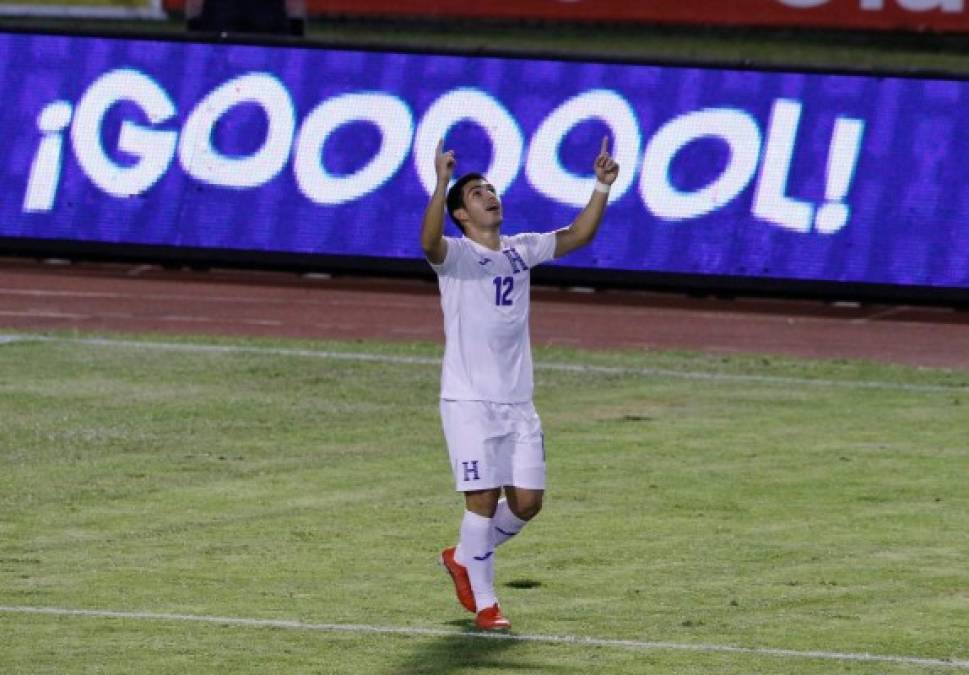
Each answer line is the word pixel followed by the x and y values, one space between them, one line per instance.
pixel 585 225
pixel 432 228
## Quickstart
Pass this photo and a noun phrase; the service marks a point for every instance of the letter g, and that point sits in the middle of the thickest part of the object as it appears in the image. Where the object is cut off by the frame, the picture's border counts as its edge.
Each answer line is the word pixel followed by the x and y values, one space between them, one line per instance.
pixel 154 149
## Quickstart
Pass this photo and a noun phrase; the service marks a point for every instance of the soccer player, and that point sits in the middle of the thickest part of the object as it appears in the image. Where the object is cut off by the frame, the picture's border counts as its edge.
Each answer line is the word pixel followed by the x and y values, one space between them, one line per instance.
pixel 493 434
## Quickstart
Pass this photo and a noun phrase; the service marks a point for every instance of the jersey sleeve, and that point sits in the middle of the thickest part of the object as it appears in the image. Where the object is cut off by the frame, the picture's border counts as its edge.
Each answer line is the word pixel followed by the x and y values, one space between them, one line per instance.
pixel 450 262
pixel 536 247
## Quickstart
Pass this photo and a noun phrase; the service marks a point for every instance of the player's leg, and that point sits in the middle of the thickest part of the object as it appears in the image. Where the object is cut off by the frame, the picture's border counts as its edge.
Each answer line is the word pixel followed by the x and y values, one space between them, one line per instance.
pixel 515 438
pixel 482 502
pixel 476 548
pixel 524 503
pixel 525 490
pixel 477 553
pixel 513 512
pixel 473 462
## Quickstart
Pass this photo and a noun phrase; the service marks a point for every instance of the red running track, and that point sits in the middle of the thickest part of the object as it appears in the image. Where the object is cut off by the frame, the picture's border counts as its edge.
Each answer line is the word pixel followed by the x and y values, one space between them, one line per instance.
pixel 120 298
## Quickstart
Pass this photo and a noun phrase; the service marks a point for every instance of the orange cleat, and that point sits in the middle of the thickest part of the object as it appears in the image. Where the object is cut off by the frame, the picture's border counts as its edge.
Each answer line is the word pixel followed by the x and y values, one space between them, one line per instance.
pixel 492 619
pixel 459 574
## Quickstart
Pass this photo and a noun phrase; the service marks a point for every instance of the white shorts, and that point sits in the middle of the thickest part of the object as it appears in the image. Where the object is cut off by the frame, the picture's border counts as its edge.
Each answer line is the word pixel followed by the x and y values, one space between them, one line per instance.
pixel 494 444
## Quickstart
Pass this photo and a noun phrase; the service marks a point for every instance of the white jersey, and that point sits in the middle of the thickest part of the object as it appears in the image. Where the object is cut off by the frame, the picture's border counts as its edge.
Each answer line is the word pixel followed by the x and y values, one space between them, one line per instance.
pixel 485 298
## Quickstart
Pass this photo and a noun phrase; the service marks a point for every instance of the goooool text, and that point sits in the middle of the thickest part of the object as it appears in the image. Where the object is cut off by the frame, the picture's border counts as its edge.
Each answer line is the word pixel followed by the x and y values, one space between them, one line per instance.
pixel 760 152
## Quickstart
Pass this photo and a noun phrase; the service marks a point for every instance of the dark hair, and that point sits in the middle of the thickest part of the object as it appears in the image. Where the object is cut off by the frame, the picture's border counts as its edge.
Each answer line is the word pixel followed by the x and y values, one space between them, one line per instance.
pixel 455 196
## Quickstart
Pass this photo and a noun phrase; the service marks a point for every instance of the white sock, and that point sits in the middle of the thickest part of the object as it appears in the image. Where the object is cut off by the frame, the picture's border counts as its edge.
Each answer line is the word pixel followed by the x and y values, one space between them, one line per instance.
pixel 506 523
pixel 476 551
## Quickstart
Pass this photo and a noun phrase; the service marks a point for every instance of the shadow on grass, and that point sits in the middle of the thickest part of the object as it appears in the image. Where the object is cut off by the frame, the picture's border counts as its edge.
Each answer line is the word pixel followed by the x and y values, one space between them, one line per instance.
pixel 470 651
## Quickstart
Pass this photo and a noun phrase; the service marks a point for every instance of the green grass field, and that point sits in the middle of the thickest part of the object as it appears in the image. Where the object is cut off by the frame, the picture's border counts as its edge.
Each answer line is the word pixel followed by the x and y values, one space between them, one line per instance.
pixel 767 504
pixel 728 502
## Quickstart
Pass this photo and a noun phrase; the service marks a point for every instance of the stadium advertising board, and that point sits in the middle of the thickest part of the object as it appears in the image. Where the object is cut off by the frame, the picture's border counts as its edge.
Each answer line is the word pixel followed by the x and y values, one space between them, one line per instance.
pixel 916 15
pixel 320 152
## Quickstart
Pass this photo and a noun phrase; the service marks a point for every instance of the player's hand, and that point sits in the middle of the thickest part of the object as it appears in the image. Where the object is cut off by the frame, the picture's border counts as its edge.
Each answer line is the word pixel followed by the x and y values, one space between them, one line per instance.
pixel 606 168
pixel 444 162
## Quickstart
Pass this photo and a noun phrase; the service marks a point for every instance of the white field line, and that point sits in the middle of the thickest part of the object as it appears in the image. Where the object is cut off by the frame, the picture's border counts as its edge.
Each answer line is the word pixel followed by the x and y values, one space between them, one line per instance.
pixel 374 357
pixel 514 637
pixel 166 297
pixel 37 314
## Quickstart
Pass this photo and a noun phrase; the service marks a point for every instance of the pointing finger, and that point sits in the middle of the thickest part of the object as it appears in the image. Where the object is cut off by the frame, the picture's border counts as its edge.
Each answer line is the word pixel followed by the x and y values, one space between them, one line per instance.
pixel 440 146
pixel 604 150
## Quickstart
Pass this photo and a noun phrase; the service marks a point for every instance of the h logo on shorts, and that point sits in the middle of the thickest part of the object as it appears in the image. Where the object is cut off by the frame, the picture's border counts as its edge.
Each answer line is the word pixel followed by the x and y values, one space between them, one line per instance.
pixel 471 469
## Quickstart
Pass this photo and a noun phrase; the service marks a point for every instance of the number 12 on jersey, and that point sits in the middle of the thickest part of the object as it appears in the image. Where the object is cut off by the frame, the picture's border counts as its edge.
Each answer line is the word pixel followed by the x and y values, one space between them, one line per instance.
pixel 503 288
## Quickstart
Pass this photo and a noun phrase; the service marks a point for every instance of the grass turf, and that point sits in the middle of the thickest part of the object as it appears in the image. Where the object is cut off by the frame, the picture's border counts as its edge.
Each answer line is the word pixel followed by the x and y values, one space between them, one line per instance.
pixel 773 503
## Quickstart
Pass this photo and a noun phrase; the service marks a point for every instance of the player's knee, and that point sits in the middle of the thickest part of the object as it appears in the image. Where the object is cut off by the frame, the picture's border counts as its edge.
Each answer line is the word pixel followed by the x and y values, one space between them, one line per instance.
pixel 482 502
pixel 529 509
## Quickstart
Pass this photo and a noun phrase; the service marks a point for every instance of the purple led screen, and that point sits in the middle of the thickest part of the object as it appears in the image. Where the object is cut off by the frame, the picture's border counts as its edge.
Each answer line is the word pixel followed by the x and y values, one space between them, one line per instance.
pixel 294 150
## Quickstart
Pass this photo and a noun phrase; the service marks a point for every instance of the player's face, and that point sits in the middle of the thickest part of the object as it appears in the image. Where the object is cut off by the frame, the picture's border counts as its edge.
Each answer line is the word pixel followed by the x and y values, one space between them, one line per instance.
pixel 482 204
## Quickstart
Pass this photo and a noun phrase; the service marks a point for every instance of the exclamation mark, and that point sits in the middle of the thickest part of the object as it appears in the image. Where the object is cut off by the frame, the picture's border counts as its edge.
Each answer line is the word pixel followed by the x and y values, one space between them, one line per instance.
pixel 842 161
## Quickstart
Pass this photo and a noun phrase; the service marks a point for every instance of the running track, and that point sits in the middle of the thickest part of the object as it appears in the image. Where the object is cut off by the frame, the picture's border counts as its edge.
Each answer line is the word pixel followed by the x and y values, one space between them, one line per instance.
pixel 102 298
